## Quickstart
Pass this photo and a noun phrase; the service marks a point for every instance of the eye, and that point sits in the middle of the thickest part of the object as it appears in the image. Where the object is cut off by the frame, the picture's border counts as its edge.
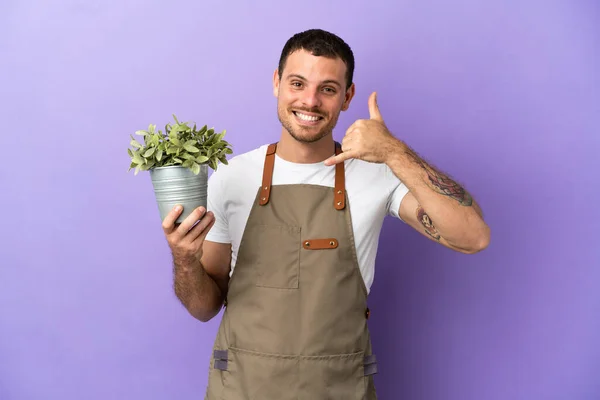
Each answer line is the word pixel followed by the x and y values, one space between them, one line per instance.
pixel 329 90
pixel 296 83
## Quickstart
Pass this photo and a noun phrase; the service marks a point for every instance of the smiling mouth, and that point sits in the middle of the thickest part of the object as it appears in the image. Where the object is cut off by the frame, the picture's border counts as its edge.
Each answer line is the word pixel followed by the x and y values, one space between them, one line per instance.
pixel 307 117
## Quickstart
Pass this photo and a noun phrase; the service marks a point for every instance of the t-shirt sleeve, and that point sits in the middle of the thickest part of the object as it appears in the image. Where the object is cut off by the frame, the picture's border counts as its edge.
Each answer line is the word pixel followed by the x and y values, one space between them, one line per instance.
pixel 397 193
pixel 216 203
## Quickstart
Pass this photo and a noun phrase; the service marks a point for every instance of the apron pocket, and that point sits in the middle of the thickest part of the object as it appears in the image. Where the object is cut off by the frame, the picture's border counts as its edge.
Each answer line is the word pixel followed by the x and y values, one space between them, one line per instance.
pixel 277 258
pixel 257 376
pixel 333 377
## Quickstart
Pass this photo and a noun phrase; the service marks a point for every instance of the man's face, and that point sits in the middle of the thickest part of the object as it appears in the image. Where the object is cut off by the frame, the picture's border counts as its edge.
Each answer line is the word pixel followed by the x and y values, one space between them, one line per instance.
pixel 310 95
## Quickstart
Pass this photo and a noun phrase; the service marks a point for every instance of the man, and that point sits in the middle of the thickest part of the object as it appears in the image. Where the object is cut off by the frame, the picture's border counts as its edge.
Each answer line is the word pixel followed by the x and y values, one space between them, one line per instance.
pixel 289 242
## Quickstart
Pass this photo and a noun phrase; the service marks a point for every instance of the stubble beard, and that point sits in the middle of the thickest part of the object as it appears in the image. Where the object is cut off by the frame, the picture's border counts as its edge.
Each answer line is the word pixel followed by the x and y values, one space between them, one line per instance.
pixel 285 117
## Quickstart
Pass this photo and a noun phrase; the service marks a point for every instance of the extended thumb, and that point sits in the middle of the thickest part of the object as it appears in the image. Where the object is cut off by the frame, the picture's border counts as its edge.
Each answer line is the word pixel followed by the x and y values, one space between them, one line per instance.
pixel 374 112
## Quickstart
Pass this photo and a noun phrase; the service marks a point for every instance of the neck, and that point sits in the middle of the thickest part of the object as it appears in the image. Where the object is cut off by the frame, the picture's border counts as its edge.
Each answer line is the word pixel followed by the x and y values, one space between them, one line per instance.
pixel 294 151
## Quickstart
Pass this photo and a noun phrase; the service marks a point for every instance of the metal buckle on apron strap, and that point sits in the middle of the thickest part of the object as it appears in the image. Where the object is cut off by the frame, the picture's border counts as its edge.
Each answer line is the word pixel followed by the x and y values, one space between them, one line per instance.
pixel 220 359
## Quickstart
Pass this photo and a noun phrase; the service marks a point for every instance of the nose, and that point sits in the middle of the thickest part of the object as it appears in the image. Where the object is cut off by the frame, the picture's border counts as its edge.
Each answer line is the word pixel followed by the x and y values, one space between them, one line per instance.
pixel 310 98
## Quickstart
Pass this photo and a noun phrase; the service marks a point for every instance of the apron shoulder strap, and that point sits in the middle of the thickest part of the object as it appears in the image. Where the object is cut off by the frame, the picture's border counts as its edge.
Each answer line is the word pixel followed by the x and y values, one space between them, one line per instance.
pixel 339 198
pixel 265 189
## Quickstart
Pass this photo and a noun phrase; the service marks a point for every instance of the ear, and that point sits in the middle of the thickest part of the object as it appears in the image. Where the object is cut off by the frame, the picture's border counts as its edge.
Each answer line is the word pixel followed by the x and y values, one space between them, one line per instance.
pixel 276 83
pixel 348 97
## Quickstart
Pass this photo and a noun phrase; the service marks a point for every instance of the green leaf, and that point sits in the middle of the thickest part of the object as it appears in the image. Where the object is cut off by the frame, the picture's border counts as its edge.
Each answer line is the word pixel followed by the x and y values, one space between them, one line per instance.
pixel 149 152
pixel 195 168
pixel 173 138
pixel 190 148
pixel 201 159
pixel 137 159
pixel 172 150
pixel 135 144
pixel 159 154
pixel 188 156
pixel 141 133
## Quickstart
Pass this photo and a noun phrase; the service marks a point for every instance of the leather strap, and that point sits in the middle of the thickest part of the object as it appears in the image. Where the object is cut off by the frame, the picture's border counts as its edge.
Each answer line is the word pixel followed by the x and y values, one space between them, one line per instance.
pixel 320 244
pixel 339 197
pixel 265 190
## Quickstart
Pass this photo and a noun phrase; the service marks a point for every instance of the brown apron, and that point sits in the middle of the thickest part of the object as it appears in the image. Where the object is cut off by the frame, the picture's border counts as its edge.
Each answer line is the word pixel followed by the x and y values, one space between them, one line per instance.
pixel 295 322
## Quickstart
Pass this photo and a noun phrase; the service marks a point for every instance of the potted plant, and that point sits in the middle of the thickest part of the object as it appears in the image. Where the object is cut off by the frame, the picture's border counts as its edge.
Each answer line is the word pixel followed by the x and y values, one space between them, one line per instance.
pixel 178 161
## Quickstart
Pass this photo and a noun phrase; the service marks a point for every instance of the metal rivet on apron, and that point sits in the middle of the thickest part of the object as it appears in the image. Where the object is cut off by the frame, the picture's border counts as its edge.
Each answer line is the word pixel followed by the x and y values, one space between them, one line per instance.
pixel 307 244
pixel 339 192
pixel 339 203
pixel 332 243
pixel 264 198
pixel 265 188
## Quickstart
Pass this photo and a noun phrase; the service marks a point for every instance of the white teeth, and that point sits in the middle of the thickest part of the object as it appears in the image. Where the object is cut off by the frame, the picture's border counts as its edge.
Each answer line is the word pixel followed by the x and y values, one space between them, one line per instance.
pixel 306 117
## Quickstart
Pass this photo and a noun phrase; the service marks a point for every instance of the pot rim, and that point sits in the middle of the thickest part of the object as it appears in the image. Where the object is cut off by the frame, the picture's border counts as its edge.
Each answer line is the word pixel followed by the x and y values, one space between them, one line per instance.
pixel 175 166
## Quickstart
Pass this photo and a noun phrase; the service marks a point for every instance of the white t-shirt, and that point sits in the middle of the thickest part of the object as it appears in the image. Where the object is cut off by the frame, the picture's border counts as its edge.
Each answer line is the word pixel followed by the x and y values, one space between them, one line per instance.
pixel 373 192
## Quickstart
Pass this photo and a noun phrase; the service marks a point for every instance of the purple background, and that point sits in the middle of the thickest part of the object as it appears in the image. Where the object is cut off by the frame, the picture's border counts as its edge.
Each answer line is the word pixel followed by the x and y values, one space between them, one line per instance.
pixel 502 95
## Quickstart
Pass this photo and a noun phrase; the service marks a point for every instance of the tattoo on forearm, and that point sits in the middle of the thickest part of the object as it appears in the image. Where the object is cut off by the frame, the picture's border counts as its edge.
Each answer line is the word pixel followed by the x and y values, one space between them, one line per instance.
pixel 427 223
pixel 442 184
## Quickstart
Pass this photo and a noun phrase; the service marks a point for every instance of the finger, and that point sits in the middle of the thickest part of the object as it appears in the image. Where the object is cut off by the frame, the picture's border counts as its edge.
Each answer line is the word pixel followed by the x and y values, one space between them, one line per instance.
pixel 202 227
pixel 338 159
pixel 168 223
pixel 346 142
pixel 374 112
pixel 190 220
pixel 203 234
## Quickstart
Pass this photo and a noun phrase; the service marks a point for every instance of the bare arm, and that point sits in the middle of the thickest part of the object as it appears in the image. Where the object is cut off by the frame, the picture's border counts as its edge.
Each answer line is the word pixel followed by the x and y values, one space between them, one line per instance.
pixel 437 206
pixel 434 198
pixel 200 268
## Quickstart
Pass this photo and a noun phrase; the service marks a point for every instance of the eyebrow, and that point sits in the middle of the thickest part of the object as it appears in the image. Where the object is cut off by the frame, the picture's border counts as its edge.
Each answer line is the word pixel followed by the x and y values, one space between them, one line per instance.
pixel 333 81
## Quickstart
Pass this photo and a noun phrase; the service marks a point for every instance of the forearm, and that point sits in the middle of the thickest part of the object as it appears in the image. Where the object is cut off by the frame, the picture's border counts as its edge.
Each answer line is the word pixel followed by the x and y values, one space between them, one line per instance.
pixel 458 218
pixel 196 290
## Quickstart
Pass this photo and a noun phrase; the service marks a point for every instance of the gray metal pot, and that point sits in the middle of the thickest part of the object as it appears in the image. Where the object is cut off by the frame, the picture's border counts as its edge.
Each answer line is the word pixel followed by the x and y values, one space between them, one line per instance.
pixel 178 185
